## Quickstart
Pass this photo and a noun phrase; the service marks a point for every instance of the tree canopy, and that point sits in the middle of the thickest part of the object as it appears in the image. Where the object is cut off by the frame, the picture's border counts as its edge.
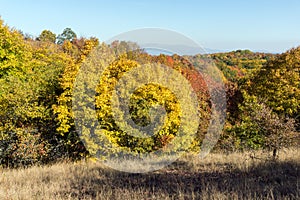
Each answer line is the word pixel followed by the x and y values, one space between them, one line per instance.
pixel 47 36
pixel 67 35
pixel 37 79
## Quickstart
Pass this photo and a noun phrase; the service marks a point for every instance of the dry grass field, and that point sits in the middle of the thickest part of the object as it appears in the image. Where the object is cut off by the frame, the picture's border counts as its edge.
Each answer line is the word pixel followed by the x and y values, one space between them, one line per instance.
pixel 232 176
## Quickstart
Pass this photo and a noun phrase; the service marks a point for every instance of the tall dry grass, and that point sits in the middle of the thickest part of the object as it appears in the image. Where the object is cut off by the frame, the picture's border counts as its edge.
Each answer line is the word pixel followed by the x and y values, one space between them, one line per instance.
pixel 232 176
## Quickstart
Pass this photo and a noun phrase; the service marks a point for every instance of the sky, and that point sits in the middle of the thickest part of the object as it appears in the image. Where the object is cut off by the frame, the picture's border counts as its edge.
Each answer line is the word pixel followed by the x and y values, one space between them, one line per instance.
pixel 258 25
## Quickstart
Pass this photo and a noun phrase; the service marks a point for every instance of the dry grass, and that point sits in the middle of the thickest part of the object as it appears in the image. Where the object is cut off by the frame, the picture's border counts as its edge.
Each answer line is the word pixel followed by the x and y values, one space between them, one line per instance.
pixel 233 176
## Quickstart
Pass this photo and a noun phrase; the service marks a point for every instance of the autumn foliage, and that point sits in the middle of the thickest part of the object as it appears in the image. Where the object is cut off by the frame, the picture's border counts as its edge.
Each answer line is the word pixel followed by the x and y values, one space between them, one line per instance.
pixel 37 78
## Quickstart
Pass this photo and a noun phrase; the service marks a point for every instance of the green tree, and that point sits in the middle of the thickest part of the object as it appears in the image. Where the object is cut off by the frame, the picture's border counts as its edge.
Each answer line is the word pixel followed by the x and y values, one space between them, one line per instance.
pixel 259 126
pixel 47 36
pixel 67 35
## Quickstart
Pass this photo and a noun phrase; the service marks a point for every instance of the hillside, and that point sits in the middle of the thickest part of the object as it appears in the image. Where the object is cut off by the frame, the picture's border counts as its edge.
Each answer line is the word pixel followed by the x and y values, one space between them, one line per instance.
pixel 38 114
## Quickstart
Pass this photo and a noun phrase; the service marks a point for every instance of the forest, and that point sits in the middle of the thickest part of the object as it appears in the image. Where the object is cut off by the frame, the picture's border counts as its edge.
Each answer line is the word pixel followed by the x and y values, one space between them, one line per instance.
pixel 37 77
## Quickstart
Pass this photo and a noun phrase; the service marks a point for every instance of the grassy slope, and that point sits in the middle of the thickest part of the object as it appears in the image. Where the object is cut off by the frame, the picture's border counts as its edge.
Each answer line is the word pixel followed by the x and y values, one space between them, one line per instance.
pixel 234 176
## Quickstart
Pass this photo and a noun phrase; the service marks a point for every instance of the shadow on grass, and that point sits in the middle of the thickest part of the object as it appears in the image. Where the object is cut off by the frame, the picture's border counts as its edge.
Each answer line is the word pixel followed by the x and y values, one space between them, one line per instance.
pixel 266 180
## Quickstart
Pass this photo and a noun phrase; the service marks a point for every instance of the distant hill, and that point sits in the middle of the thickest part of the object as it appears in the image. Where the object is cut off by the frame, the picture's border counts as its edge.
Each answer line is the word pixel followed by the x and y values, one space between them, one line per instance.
pixel 236 64
pixel 169 49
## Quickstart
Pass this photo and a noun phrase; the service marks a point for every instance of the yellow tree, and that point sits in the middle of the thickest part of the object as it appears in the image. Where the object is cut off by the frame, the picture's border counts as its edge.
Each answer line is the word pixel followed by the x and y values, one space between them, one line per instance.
pixel 278 83
pixel 77 51
pixel 29 72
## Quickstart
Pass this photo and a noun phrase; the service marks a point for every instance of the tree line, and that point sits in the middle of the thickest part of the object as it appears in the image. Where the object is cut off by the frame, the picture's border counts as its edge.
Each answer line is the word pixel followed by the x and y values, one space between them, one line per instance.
pixel 37 80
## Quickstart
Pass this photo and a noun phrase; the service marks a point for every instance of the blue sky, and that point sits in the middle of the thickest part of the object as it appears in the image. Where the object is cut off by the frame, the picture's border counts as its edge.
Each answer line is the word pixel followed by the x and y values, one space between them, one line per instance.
pixel 271 25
